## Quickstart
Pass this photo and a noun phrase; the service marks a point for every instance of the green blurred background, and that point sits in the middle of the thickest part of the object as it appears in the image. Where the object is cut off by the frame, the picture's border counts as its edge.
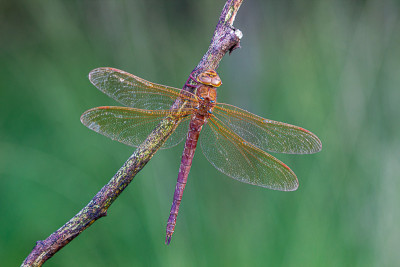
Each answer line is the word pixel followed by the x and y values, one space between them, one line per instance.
pixel 331 66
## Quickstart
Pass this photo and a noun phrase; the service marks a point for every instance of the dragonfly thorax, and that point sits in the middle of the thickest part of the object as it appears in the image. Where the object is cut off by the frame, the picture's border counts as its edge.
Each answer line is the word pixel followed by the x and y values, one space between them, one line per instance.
pixel 207 96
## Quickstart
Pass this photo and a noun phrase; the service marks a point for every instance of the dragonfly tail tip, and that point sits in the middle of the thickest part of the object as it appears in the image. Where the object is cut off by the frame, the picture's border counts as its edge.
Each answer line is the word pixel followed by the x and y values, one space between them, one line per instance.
pixel 168 239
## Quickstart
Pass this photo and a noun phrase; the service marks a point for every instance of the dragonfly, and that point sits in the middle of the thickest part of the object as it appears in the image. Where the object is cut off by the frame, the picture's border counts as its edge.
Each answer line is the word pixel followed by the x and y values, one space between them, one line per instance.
pixel 235 141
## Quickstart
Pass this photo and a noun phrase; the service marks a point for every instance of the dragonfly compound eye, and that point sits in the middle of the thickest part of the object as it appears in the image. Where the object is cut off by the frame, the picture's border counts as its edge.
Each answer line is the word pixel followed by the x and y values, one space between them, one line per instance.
pixel 204 79
pixel 216 81
pixel 211 73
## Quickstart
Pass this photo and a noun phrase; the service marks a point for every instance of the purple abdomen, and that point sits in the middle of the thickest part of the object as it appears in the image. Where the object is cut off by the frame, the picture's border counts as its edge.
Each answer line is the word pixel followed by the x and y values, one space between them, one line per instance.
pixel 195 126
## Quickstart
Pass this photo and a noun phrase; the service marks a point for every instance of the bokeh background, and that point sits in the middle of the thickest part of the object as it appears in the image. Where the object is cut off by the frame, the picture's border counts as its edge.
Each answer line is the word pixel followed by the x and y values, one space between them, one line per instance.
pixel 332 67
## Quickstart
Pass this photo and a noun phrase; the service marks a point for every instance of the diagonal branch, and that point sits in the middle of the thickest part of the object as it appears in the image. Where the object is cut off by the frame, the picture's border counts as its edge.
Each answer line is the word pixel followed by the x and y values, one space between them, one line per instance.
pixel 225 39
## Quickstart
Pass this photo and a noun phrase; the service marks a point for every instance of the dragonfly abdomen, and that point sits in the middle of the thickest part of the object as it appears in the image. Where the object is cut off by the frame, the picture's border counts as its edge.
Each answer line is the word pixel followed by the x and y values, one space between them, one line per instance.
pixel 184 169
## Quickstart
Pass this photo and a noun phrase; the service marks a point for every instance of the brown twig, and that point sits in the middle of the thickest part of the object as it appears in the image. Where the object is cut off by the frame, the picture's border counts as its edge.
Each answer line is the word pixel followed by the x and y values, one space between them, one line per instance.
pixel 225 39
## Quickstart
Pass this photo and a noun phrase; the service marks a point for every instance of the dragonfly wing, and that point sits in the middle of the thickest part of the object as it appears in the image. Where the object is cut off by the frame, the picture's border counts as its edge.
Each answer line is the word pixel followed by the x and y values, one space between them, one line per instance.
pixel 267 134
pixel 178 135
pixel 239 159
pixel 135 92
pixel 131 126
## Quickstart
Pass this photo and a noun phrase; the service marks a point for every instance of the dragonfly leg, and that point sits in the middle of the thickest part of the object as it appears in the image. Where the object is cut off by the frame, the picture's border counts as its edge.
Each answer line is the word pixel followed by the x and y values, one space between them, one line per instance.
pixel 188 80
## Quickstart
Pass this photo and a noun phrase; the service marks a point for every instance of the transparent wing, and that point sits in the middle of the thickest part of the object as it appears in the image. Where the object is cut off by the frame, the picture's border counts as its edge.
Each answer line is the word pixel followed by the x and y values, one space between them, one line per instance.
pixel 132 126
pixel 135 92
pixel 235 157
pixel 266 134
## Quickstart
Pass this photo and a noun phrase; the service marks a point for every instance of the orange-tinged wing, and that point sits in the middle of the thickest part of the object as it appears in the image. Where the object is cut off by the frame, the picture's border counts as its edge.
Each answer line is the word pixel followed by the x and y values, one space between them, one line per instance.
pixel 135 92
pixel 266 134
pixel 239 159
pixel 132 126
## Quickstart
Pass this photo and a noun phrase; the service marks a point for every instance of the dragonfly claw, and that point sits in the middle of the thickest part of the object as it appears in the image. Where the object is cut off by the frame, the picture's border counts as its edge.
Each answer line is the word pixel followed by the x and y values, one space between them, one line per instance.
pixel 193 79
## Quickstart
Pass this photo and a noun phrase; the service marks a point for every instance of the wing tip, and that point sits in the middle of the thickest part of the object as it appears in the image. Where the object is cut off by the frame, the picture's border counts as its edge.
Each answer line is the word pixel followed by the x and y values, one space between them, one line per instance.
pixel 83 116
pixel 294 188
pixel 93 74
pixel 293 182
pixel 314 144
pixel 318 144
pixel 84 119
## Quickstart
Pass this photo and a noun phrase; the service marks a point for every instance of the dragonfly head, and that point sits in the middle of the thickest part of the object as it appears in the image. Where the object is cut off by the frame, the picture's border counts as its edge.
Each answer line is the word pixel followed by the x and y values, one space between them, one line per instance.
pixel 209 77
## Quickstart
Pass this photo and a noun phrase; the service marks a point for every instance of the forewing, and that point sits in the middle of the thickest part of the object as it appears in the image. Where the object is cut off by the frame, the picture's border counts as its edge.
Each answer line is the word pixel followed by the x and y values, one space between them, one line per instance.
pixel 266 134
pixel 133 91
pixel 132 126
pixel 233 156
